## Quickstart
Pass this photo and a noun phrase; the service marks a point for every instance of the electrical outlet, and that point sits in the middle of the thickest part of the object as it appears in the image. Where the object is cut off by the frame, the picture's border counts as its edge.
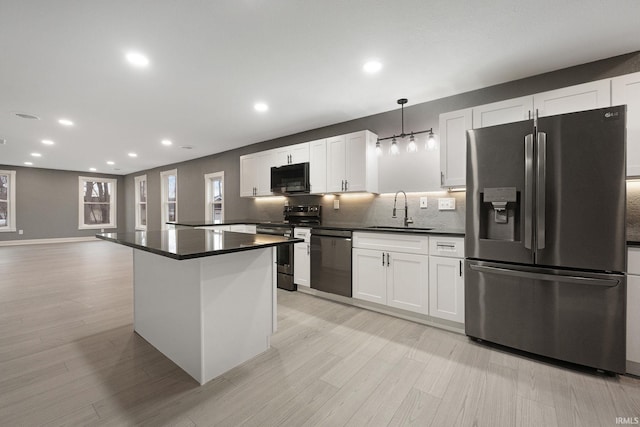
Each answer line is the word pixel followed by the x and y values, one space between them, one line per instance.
pixel 423 203
pixel 20 231
pixel 447 204
pixel 336 204
pixel 102 230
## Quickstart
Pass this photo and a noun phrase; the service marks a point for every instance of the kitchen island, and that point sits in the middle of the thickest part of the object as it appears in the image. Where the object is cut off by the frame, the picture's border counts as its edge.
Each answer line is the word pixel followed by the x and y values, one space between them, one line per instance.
pixel 205 299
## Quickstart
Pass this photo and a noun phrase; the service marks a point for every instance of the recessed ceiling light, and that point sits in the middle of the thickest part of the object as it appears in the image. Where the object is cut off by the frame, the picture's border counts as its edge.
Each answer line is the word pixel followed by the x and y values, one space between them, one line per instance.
pixel 111 162
pixel 93 169
pixel 28 163
pixel 372 66
pixel 137 59
pixel 133 155
pixel 27 116
pixel 166 142
pixel 36 154
pixel 65 122
pixel 47 142
pixel 261 107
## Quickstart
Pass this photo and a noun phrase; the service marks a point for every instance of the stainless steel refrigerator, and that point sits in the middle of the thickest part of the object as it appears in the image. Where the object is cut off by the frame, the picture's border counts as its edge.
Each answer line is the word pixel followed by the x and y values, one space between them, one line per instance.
pixel 545 237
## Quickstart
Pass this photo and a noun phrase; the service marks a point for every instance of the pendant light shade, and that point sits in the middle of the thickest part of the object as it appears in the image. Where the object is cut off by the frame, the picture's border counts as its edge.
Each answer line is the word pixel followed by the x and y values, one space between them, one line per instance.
pixel 432 144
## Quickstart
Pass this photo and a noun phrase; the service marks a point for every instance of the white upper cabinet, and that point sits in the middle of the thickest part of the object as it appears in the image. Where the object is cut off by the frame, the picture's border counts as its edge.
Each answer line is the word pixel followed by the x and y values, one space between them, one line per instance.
pixel 453 147
pixel 291 154
pixel 255 174
pixel 626 90
pixel 318 166
pixel 581 97
pixel 498 113
pixel 352 164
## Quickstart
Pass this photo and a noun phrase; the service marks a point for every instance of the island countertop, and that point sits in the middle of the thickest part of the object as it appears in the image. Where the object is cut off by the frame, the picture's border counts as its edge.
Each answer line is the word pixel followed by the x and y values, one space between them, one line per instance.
pixel 183 244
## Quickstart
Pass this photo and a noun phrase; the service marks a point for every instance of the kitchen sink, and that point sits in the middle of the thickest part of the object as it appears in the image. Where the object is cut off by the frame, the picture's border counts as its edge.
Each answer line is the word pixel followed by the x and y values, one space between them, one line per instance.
pixel 386 227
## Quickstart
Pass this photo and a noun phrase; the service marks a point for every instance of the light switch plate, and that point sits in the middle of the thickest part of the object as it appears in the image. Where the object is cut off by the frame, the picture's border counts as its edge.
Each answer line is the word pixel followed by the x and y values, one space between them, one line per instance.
pixel 447 204
pixel 423 203
pixel 336 204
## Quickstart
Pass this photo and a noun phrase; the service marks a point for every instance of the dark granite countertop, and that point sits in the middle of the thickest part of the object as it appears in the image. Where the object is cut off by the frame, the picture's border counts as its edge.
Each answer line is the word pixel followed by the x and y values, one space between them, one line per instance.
pixel 336 226
pixel 188 243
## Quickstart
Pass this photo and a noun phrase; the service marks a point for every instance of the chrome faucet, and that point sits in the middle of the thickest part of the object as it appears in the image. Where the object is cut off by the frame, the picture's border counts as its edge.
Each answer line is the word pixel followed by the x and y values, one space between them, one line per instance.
pixel 407 220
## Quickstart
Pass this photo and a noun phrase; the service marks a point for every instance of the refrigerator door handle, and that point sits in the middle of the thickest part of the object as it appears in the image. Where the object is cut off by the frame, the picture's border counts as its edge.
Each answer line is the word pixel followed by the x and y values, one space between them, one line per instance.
pixel 546 276
pixel 528 190
pixel 541 189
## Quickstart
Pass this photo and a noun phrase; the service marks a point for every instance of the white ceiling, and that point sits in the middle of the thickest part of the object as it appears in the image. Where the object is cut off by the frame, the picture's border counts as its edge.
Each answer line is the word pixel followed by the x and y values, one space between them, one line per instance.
pixel 211 60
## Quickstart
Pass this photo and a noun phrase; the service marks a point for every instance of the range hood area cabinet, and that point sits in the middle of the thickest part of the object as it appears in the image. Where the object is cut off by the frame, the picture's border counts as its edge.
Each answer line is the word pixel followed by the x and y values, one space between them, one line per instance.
pixel 340 164
pixel 352 163
pixel 454 124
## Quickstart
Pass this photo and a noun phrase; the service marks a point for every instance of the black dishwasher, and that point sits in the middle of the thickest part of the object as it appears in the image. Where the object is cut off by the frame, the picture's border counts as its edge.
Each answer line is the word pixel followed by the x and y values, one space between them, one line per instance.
pixel 331 261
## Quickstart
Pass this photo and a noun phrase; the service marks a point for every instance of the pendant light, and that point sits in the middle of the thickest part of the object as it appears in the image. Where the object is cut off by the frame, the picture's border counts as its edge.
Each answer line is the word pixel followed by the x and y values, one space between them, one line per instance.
pixel 431 145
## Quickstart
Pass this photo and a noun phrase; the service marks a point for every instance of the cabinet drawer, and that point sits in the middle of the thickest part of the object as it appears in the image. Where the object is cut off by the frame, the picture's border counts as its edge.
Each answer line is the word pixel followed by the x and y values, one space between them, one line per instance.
pixel 446 246
pixel 394 242
pixel 633 261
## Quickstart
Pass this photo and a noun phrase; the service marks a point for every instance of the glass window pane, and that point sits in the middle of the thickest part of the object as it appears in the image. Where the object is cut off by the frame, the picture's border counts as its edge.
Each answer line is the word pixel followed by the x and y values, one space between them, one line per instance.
pixel 143 191
pixel 97 192
pixel 172 212
pixel 217 190
pixel 96 214
pixel 172 187
pixel 4 206
pixel 4 187
pixel 143 214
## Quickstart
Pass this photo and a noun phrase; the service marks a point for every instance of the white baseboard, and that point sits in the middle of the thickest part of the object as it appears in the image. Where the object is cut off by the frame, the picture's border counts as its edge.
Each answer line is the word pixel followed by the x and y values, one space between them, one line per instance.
pixel 48 241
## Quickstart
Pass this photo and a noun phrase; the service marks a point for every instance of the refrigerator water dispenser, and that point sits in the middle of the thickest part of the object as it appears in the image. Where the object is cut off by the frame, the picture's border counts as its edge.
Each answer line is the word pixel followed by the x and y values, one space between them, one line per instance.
pixel 500 214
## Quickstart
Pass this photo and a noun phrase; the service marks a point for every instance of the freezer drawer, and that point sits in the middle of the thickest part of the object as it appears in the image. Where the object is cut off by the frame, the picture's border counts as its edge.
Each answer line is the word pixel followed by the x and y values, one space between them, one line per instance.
pixel 567 315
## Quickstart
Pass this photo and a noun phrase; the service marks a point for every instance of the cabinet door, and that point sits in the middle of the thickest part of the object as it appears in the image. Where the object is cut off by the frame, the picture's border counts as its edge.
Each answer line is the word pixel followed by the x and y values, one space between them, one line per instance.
pixel 626 90
pixel 497 113
pixel 301 264
pixel 369 275
pixel 408 282
pixel 587 96
pixel 299 153
pixel 336 163
pixel 446 288
pixel 356 162
pixel 248 175
pixel 281 156
pixel 318 166
pixel 264 160
pixel 453 147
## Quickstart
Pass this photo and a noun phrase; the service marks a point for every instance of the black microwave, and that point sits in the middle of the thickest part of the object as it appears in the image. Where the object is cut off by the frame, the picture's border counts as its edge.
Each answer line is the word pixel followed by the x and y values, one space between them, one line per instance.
pixel 290 179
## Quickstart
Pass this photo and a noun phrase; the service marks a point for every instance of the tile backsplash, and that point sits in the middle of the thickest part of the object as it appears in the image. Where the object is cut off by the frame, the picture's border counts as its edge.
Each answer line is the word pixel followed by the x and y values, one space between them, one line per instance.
pixel 370 209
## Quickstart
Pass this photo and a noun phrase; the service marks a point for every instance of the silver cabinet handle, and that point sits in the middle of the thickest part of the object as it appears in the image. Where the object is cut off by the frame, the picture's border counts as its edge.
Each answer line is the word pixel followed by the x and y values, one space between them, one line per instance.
pixel 346 185
pixel 342 188
pixel 387 259
pixel 528 190
pixel 541 190
pixel 546 276
pixel 383 259
pixel 460 268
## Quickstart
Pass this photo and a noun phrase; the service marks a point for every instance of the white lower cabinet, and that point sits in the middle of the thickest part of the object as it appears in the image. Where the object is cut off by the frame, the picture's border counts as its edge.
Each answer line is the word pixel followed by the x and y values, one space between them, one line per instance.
pixel 446 288
pixel 393 278
pixel 633 311
pixel 446 278
pixel 301 264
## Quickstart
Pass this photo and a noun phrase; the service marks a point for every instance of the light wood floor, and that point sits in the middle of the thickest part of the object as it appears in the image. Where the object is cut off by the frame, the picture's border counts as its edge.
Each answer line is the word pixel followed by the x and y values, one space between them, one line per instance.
pixel 68 356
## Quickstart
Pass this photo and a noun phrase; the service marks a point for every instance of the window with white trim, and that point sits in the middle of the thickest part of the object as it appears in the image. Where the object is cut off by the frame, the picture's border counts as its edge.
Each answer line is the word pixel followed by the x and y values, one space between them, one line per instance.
pixel 7 200
pixel 141 202
pixel 214 197
pixel 97 202
pixel 169 189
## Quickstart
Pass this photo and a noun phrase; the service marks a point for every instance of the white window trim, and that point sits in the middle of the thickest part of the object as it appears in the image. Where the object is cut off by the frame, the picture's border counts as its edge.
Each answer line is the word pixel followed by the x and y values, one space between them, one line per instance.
pixel 11 208
pixel 208 188
pixel 164 195
pixel 112 205
pixel 137 180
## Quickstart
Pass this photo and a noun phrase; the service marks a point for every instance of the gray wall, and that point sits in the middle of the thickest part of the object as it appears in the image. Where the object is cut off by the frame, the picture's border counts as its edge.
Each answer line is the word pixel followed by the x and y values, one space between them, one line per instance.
pixel 47 203
pixel 418 172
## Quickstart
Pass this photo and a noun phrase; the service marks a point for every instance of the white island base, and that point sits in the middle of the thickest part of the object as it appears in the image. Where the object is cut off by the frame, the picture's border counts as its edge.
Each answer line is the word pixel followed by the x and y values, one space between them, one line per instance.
pixel 206 314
